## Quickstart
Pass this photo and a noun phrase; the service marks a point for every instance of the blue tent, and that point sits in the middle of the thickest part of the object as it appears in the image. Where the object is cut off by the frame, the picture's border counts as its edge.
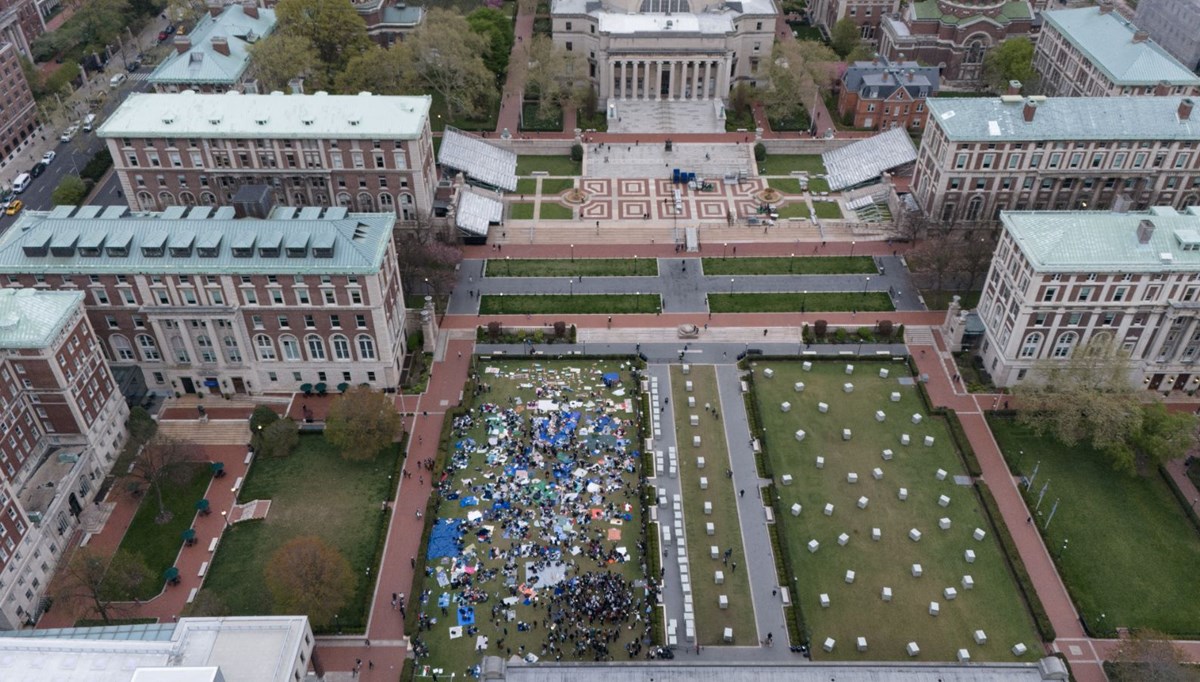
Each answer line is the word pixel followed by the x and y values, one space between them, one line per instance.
pixel 444 538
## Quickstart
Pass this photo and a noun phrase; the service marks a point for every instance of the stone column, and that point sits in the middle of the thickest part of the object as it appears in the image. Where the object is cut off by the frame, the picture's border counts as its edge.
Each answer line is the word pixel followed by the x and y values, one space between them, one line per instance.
pixel 639 75
pixel 696 93
pixel 622 81
pixel 670 70
pixel 657 80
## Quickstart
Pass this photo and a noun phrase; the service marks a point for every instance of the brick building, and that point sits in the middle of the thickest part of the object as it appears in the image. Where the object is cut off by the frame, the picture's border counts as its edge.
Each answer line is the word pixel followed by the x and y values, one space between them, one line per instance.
pixel 954 36
pixel 22 21
pixel 1060 279
pixel 1095 52
pixel 215 56
pixel 18 112
pixel 866 13
pixel 983 155
pixel 361 152
pixel 202 301
pixel 883 95
pixel 61 426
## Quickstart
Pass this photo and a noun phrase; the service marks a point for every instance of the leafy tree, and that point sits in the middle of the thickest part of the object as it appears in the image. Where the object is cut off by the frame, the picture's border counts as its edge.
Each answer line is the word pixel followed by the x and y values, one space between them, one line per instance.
pixel 185 12
pixel 361 422
pixel 163 460
pixel 309 577
pixel 378 70
pixel 427 261
pixel 96 24
pixel 447 57
pixel 1164 435
pixel 799 70
pixel 333 28
pixel 845 37
pixel 278 58
pixel 94 579
pixel 1148 656
pixel 553 73
pixel 280 438
pixel 70 191
pixel 1012 60
pixel 260 419
pixel 498 29
pixel 933 261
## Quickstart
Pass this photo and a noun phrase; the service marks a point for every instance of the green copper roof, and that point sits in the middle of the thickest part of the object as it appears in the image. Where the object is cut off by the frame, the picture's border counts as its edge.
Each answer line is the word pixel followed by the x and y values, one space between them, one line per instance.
pixel 203 64
pixel 929 10
pixel 31 318
pixel 1095 241
pixel 1002 119
pixel 1107 41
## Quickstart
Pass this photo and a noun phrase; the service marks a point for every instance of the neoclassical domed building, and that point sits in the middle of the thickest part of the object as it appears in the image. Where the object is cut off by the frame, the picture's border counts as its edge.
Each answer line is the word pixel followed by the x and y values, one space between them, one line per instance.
pixel 667 50
pixel 954 35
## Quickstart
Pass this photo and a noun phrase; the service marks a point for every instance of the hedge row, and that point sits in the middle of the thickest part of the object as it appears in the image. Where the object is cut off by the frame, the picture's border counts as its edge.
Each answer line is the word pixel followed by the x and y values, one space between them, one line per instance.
pixel 1040 618
pixel 754 418
pixel 963 444
pixel 797 627
pixel 1187 505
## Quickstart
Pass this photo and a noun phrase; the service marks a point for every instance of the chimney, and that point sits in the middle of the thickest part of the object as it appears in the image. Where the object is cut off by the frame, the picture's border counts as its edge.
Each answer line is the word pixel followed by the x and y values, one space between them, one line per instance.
pixel 875 60
pixel 215 8
pixel 1145 231
pixel 1185 108
pixel 1140 36
pixel 297 86
pixel 1162 89
pixel 1106 6
pixel 1030 110
pixel 911 75
pixel 220 45
pixel 1014 87
pixel 183 43
pixel 250 9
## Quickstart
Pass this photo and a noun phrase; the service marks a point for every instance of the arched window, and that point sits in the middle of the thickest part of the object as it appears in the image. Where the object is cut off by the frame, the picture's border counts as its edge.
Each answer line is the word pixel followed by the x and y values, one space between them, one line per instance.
pixel 366 203
pixel 207 198
pixel 1189 200
pixel 974 53
pixel 266 349
pixel 1029 349
pixel 206 348
pixel 366 347
pixel 298 199
pixel 974 206
pixel 1065 341
pixel 290 346
pixel 166 199
pixel 148 348
pixel 343 199
pixel 180 350
pixel 187 199
pixel 232 352
pixel 341 347
pixel 316 347
pixel 146 201
pixel 385 200
pixel 121 348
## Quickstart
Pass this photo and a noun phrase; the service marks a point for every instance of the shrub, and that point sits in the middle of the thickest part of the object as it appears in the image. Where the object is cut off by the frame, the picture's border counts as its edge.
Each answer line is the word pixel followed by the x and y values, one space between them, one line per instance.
pixel 577 152
pixel 760 151
pixel 1040 618
pixel 820 327
pixel 97 166
pixel 262 418
pixel 416 341
pixel 840 335
pixel 883 329
pixel 280 438
pixel 806 334
pixel 494 330
pixel 864 334
pixel 560 329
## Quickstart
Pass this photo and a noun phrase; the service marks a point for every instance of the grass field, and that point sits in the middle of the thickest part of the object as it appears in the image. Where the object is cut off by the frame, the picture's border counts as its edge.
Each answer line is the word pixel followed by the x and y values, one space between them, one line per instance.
pixel 871 301
pixel 553 165
pixel 829 210
pixel 490 473
pixel 313 492
pixel 158 545
pixel 785 185
pixel 521 210
pixel 527 186
pixel 784 164
pixel 711 619
pixel 803 265
pixel 590 267
pixel 553 211
pixel 581 304
pixel 857 609
pixel 794 209
pixel 1132 554
pixel 556 185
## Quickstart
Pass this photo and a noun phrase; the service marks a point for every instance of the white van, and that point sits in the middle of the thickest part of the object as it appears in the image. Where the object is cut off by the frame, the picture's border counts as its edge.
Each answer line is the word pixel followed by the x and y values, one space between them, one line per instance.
pixel 116 80
pixel 21 183
pixel 88 121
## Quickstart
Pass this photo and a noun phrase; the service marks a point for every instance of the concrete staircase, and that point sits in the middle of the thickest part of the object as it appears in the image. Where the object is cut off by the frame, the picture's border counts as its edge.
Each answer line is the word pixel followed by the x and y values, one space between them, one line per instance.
pixel 919 336
pixel 211 432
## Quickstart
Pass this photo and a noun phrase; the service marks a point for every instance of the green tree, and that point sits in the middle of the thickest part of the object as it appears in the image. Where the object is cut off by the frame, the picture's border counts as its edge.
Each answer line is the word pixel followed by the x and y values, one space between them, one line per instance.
pixel 447 57
pixel 309 577
pixel 93 579
pixel 163 460
pixel 497 27
pixel 361 423
pixel 799 70
pixel 845 37
pixel 1012 60
pixel 278 58
pixel 97 23
pixel 333 27
pixel 70 191
pixel 1164 435
pixel 279 439
pixel 553 73
pixel 378 70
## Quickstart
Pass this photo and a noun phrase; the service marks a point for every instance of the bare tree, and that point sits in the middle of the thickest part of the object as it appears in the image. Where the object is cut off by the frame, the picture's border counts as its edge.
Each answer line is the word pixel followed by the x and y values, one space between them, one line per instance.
pixel 975 255
pixel 162 460
pixel 94 579
pixel 308 576
pixel 1149 656
pixel 362 422
pixel 910 226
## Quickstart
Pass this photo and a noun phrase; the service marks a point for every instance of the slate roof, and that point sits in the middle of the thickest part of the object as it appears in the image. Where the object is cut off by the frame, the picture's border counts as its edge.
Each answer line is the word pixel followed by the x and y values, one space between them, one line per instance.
pixel 930 9
pixel 203 64
pixel 1107 41
pixel 1095 241
pixel 887 77
pixel 1002 119
pixel 865 160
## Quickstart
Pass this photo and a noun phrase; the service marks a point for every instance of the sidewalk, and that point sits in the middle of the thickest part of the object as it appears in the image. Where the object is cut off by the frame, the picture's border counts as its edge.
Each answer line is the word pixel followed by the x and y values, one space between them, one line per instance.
pixel 509 117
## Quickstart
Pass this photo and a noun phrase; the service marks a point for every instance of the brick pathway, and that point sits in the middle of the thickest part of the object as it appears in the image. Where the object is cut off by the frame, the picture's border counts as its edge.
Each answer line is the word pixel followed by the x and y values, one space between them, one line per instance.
pixel 514 84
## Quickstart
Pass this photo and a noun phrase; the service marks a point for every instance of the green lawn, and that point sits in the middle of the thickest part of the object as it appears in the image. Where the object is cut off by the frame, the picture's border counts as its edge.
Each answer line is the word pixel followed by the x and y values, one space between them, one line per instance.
pixel 551 186
pixel 527 186
pixel 580 304
pixel 159 545
pixel 785 185
pixel 554 165
pixel 784 164
pixel 803 265
pixel 816 185
pixel 872 301
pixel 439 117
pixel 711 619
pixel 313 492
pixel 940 300
pixel 590 267
pixel 513 385
pixel 521 210
pixel 829 210
pixel 794 209
pixel 1132 554
pixel 553 211
pixel 994 605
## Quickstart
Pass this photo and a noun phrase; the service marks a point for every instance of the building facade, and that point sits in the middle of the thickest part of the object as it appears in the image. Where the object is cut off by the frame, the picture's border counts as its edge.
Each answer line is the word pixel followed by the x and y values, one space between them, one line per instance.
pixel 203 302
pixel 954 36
pixel 18 114
pixel 1062 279
pixel 980 156
pixel 882 95
pixel 667 50
pixel 215 56
pixel 1172 24
pixel 62 427
pixel 362 152
pixel 22 21
pixel 867 14
pixel 1094 52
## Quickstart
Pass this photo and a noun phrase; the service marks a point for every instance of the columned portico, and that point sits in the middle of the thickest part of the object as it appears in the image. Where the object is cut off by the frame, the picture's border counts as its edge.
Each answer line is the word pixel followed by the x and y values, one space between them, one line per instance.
pixel 668 79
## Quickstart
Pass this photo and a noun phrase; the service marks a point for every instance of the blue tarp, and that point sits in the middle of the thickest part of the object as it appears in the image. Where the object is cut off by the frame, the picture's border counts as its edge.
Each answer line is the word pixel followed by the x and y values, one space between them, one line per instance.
pixel 466 615
pixel 444 538
pixel 469 501
pixel 612 379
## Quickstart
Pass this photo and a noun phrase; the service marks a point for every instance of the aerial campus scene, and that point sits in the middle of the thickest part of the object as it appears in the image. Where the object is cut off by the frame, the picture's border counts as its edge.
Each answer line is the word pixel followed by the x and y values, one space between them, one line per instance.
pixel 620 340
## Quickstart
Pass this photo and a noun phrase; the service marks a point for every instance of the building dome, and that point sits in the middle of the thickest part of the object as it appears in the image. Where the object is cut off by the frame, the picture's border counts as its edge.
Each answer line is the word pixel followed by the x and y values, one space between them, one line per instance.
pixel 971 8
pixel 661 6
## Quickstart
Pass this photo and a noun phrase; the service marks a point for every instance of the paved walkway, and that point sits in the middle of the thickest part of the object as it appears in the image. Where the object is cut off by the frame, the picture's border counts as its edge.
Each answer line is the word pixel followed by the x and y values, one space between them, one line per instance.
pixel 664 440
pixel 509 117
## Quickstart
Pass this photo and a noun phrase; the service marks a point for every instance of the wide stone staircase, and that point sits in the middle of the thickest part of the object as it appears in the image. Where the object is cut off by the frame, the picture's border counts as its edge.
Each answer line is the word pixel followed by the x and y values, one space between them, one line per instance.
pixel 210 432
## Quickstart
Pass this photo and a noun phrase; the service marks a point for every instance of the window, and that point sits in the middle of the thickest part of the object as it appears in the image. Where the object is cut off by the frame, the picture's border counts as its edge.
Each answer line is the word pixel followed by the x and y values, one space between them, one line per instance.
pixel 1085 293
pixel 1029 349
pixel 121 348
pixel 232 352
pixel 341 347
pixel 180 350
pixel 251 296
pixel 206 348
pixel 148 348
pixel 360 321
pixel 266 349
pixel 291 347
pixel 316 347
pixel 1049 294
pixel 366 347
pixel 1065 341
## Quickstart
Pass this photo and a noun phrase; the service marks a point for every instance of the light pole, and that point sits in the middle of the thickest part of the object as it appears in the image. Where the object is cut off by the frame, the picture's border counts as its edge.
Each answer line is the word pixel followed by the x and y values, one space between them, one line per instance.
pixel 225 519
pixel 508 266
pixel 730 286
pixel 1063 548
pixel 803 301
pixel 792 265
pixel 866 285
pixel 724 249
pixel 571 282
pixel 572 253
pixel 852 249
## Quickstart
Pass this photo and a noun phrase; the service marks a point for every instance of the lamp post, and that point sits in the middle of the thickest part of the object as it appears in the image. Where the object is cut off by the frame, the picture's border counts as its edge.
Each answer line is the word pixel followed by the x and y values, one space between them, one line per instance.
pixel 730 286
pixel 792 264
pixel 1062 549
pixel 225 519
pixel 803 301
pixel 571 282
pixel 724 249
pixel 852 249
pixel 508 266
pixel 866 285
pixel 572 253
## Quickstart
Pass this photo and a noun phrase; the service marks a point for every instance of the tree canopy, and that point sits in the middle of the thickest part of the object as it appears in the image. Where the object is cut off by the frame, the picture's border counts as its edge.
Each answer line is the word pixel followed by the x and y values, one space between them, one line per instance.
pixel 333 28
pixel 799 70
pixel 279 58
pixel 92 578
pixel 447 57
pixel 1012 60
pixel 846 40
pixel 70 191
pixel 308 576
pixel 361 423
pixel 555 74
pixel 497 28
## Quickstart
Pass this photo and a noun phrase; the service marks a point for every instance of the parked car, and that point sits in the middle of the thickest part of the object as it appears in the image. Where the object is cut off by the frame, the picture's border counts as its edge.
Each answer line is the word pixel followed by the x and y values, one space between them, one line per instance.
pixel 38 169
pixel 117 80
pixel 133 65
pixel 14 207
pixel 68 134
pixel 48 157
pixel 166 32
pixel 88 122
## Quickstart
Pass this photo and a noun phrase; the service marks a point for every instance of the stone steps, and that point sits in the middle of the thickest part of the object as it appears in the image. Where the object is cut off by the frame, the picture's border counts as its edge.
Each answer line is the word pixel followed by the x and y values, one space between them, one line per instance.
pixel 212 432
pixel 919 336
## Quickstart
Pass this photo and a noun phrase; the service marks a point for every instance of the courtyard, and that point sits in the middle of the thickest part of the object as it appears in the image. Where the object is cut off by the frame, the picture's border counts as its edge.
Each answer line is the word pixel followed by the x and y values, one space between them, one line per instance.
pixel 892 507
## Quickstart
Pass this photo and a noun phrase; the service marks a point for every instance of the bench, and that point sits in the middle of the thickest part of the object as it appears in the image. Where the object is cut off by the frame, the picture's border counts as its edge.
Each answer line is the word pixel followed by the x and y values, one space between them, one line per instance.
pixel 192 595
pixel 203 569
pixel 237 485
pixel 770 514
pixel 212 546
